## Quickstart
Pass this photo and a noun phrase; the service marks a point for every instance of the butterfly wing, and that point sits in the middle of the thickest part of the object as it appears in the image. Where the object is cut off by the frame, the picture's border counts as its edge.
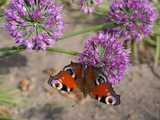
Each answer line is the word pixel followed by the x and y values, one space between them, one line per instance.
pixel 101 89
pixel 88 80
pixel 103 93
pixel 65 80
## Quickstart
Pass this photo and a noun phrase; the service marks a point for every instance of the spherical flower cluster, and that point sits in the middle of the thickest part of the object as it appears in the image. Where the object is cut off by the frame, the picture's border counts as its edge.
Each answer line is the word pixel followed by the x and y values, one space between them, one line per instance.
pixel 35 24
pixel 88 6
pixel 105 50
pixel 134 17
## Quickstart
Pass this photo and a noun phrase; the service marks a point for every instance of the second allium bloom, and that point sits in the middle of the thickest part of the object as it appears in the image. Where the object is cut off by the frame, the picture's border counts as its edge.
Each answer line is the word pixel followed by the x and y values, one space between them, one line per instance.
pixel 135 17
pixel 35 24
pixel 106 51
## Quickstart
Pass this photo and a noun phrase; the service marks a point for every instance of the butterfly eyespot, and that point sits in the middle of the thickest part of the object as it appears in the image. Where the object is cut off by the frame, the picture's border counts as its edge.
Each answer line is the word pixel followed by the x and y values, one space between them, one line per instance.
pixel 110 100
pixel 70 71
pixel 57 84
pixel 68 89
pixel 100 79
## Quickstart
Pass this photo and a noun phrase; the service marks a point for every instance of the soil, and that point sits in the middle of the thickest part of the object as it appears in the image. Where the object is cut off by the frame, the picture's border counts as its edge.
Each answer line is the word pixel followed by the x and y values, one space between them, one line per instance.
pixel 139 91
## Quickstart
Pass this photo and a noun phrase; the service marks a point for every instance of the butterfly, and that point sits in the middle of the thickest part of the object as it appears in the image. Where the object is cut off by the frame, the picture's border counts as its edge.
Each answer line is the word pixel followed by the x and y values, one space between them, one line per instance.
pixel 87 79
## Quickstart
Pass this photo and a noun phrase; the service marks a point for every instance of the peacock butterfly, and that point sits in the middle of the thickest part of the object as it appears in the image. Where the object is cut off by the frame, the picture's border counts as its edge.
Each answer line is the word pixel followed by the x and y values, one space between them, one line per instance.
pixel 87 79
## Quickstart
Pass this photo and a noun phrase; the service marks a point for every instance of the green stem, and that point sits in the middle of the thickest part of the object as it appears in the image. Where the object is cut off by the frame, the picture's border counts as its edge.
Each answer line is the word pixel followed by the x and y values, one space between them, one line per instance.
pixel 61 50
pixel 5 118
pixel 90 29
pixel 150 41
pixel 157 55
pixel 7 100
pixel 135 52
pixel 3 2
pixel 13 50
pixel 1 14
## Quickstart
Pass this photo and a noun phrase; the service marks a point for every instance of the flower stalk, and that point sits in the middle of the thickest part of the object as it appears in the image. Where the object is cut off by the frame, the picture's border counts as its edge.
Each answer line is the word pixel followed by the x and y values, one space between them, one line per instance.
pixel 14 50
pixel 157 55
pixel 61 50
pixel 90 29
pixel 135 52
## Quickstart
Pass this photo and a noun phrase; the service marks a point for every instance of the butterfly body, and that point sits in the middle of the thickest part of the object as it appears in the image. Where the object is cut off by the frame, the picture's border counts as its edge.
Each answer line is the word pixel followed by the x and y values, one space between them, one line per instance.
pixel 86 79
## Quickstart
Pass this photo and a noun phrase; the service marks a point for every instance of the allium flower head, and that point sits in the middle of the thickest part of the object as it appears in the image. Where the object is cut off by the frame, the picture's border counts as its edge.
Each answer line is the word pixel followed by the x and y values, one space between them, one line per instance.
pixel 135 17
pixel 35 24
pixel 88 6
pixel 106 51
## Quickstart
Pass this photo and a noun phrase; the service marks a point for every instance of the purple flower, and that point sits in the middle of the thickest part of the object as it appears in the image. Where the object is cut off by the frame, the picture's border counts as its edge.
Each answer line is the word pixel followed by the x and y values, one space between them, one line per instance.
pixel 35 24
pixel 136 18
pixel 88 6
pixel 106 51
